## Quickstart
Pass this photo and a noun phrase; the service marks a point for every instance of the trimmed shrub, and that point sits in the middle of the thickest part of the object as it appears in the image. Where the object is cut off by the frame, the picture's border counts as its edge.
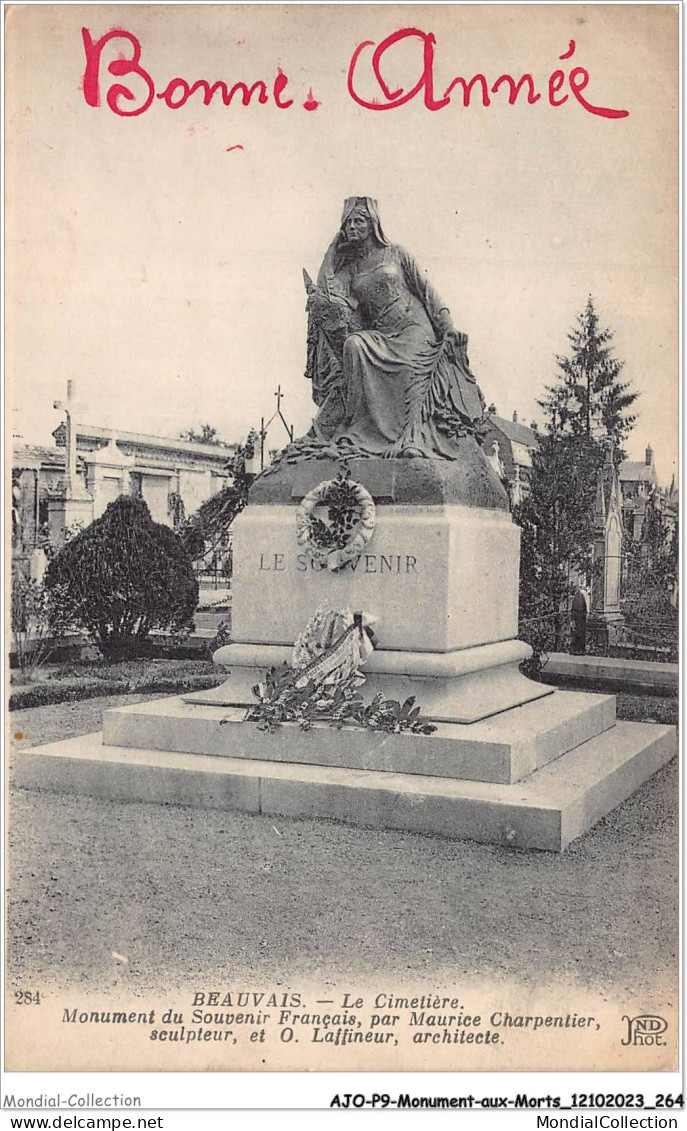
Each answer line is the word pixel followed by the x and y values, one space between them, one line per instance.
pixel 123 576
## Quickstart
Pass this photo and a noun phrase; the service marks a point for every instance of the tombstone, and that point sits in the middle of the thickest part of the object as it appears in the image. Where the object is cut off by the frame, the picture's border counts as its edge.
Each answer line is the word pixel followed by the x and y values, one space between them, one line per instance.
pixel 578 615
pixel 107 474
pixel 495 459
pixel 515 487
pixel 606 619
pixel 38 563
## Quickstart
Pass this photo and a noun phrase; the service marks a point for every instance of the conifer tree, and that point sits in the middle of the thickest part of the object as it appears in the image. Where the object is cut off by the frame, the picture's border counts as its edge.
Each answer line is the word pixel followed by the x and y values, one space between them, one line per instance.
pixel 587 407
pixel 589 399
pixel 556 520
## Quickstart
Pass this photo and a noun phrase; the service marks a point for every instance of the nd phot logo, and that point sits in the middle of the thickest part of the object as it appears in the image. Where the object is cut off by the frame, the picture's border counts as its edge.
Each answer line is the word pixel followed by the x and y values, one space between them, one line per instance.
pixel 647 1029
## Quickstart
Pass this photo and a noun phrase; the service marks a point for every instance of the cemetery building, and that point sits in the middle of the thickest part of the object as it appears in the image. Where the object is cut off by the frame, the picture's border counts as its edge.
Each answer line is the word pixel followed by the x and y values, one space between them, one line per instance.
pixel 173 477
pixel 638 482
pixel 509 445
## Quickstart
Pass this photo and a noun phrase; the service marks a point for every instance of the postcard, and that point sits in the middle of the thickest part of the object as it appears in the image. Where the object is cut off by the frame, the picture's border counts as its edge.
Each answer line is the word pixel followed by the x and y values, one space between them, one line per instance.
pixel 379 263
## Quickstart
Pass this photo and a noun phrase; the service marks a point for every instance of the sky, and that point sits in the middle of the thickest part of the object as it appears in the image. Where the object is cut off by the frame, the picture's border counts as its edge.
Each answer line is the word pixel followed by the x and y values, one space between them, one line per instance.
pixel 157 259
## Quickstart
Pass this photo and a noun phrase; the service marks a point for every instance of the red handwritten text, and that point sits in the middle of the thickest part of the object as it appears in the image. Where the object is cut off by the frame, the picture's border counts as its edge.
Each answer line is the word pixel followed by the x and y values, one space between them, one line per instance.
pixel 137 96
pixel 138 93
pixel 558 86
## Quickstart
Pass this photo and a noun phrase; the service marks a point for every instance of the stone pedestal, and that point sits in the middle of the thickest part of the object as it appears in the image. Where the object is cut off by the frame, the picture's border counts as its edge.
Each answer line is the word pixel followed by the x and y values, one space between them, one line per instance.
pixel 458 686
pixel 511 761
pixel 440 575
pixel 437 578
pixel 67 511
pixel 605 629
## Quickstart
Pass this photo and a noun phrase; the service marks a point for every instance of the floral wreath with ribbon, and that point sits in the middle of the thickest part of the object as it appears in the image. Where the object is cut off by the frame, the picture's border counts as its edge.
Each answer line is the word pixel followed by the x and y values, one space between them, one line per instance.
pixel 352 517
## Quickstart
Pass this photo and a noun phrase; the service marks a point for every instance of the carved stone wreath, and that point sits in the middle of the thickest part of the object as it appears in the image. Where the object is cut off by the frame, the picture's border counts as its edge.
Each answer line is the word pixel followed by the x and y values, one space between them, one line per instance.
pixel 352 517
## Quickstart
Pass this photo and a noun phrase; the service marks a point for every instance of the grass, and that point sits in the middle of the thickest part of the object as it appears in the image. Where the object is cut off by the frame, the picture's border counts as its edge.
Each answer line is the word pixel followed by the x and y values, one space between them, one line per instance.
pixel 648 708
pixel 62 683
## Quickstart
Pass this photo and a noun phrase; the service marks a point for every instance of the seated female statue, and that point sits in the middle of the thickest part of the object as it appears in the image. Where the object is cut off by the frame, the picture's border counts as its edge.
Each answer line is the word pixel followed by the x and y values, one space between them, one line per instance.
pixel 390 374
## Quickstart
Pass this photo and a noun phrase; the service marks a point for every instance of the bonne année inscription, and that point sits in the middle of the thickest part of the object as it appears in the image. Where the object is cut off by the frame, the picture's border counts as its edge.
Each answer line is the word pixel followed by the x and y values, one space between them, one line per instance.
pixel 367 563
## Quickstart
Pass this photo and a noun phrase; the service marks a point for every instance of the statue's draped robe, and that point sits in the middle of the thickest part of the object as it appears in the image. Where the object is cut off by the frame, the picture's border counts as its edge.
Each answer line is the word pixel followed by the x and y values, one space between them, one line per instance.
pixel 384 377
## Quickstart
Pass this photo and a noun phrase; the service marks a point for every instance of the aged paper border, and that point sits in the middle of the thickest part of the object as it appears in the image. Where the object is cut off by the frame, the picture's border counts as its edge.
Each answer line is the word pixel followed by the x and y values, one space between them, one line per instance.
pixel 27 1037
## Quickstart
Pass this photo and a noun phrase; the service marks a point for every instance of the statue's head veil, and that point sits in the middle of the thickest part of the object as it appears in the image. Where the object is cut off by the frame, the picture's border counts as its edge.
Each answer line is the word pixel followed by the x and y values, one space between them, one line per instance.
pixel 339 249
pixel 364 204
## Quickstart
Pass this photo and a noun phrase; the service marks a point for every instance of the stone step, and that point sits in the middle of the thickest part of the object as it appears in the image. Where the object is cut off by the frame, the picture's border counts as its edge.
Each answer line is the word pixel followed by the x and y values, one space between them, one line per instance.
pixel 504 748
pixel 649 675
pixel 553 806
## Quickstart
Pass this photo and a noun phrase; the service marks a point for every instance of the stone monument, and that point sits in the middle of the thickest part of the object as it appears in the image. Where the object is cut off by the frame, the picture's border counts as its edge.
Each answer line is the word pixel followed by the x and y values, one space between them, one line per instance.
pixel 426 552
pixel 72 506
pixel 608 544
pixel 400 407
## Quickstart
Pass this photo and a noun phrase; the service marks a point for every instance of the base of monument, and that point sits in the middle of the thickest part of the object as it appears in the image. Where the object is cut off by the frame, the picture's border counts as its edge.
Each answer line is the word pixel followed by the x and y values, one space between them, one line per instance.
pixel 547 810
pixel 462 686
pixel 504 749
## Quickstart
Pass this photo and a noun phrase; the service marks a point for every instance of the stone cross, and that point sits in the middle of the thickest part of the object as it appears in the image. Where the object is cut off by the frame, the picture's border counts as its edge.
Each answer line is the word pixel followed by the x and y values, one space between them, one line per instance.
pixel 264 425
pixel 69 407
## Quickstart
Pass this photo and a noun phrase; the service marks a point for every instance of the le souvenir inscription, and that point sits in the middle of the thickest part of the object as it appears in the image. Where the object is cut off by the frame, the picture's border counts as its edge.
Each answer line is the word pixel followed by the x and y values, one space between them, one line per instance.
pixel 271 562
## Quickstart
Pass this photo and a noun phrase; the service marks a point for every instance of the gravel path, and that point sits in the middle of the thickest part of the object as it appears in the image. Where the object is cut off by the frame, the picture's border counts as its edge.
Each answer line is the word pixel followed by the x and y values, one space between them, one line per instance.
pixel 192 895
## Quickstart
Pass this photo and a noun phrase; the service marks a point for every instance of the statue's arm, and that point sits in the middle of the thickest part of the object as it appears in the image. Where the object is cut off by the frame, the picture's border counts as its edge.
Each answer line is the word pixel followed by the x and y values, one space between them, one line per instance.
pixel 437 310
pixel 417 281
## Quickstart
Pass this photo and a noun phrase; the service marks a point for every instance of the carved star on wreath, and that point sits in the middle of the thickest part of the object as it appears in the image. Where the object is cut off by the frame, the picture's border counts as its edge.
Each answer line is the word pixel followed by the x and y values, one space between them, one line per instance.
pixel 351 522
